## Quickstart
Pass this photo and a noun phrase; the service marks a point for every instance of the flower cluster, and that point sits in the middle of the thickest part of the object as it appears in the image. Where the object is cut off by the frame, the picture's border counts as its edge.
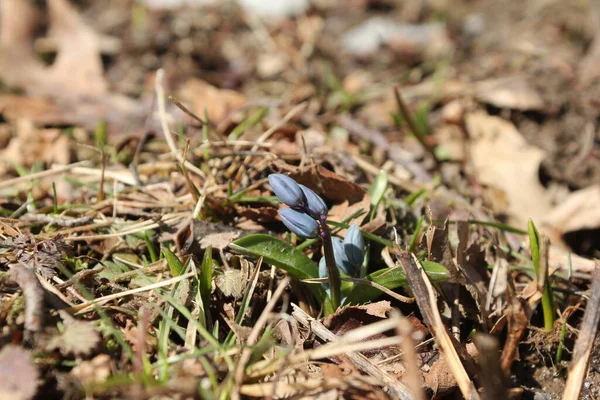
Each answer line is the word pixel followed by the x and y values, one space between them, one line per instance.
pixel 306 207
pixel 306 218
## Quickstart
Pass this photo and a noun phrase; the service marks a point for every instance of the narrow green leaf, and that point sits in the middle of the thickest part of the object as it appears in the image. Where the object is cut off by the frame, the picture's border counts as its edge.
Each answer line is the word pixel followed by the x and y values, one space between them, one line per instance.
pixel 278 253
pixel 173 262
pixel 534 244
pixel 377 190
pixel 206 275
pixel 392 278
pixel 151 248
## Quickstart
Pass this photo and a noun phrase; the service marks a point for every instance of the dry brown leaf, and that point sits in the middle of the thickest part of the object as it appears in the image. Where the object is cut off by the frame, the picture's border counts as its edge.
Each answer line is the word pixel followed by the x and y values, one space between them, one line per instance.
pixel 439 378
pixel 95 370
pixel 218 102
pixel 77 70
pixel 509 92
pixel 78 337
pixel 580 210
pixel 232 282
pixel 18 376
pixel 78 65
pixel 76 77
pixel 502 158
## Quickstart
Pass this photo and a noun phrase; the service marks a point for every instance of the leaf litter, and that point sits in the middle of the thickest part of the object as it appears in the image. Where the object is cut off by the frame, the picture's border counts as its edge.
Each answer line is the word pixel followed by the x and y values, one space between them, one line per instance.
pixel 142 252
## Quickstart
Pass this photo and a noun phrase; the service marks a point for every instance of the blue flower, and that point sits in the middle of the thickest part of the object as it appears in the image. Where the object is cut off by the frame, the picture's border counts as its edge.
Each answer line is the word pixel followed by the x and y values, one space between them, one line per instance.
pixel 287 190
pixel 354 247
pixel 341 259
pixel 315 206
pixel 299 223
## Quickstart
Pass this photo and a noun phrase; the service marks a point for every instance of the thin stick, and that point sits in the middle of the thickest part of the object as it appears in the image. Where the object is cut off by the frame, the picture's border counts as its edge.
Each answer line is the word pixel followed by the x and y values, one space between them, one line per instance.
pixel 185 109
pixel 162 114
pixel 412 125
pixel 427 302
pixel 42 174
pixel 397 388
pixel 413 374
pixel 87 306
pixel 585 341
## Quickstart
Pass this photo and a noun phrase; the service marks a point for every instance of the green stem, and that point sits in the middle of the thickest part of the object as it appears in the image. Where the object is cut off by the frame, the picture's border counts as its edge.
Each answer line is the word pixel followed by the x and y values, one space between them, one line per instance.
pixel 332 271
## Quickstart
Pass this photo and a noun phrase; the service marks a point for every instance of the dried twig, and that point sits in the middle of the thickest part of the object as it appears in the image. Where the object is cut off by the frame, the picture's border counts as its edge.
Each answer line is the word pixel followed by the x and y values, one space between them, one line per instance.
pixel 66 222
pixel 426 300
pixel 396 388
pixel 412 125
pixel 585 341
pixel 162 114
pixel 413 374
pixel 42 174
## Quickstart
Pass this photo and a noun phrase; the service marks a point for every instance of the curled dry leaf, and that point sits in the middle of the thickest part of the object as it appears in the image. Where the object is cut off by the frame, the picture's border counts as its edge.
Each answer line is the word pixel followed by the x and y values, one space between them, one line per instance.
pixel 18 376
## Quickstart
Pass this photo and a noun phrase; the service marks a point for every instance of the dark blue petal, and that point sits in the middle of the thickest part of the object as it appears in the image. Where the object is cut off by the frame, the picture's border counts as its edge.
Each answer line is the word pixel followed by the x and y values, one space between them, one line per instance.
pixel 287 190
pixel 354 246
pixel 341 260
pixel 301 224
pixel 315 205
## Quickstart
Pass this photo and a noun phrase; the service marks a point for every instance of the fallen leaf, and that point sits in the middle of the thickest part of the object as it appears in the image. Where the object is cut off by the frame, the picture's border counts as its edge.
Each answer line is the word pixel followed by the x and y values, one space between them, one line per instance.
pixel 78 337
pixel 75 81
pixel 217 102
pixel 512 92
pixel 501 158
pixel 95 370
pixel 204 234
pixel 18 376
pixel 580 210
pixel 232 282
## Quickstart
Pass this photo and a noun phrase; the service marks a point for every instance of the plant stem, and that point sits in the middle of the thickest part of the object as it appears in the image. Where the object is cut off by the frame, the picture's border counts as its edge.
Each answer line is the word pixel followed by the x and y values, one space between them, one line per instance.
pixel 332 271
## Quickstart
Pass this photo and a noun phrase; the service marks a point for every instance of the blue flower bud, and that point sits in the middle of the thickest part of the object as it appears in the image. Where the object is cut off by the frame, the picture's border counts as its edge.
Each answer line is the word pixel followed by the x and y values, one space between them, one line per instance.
pixel 341 259
pixel 315 205
pixel 301 224
pixel 354 246
pixel 324 274
pixel 287 190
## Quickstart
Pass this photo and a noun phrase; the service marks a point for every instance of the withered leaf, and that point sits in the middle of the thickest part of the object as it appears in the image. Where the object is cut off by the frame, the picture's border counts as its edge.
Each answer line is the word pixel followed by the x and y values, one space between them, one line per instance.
pixel 18 376
pixel 78 337
pixel 232 282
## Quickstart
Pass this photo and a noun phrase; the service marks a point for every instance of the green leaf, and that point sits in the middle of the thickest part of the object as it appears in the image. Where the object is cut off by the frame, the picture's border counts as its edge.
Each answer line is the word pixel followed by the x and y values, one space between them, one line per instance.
pixel 377 191
pixel 278 253
pixel 534 244
pixel 173 261
pixel 283 255
pixel 392 278
pixel 206 275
